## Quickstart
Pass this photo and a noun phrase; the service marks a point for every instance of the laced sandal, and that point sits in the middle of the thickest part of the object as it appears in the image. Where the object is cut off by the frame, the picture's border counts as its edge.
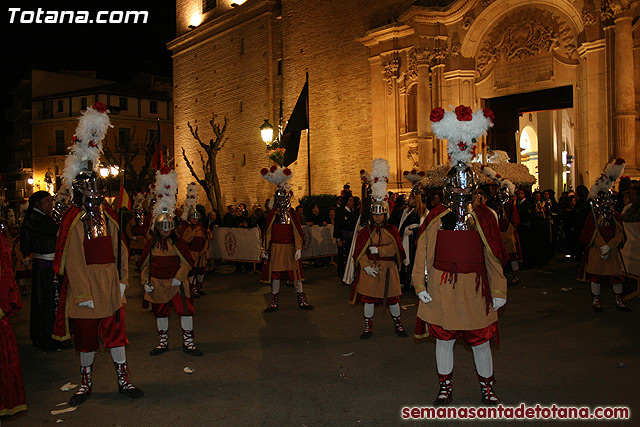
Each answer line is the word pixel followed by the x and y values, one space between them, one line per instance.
pixel 84 391
pixel 595 304
pixel 124 384
pixel 274 304
pixel 163 347
pixel 486 389
pixel 620 305
pixel 445 394
pixel 398 326
pixel 368 328
pixel 302 302
pixel 188 346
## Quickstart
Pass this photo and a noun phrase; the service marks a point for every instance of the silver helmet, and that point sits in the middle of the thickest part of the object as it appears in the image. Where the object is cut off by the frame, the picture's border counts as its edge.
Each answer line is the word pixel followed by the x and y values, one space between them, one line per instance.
pixel 88 189
pixel 164 221
pixel 379 207
pixel 603 204
pixel 195 214
pixel 460 187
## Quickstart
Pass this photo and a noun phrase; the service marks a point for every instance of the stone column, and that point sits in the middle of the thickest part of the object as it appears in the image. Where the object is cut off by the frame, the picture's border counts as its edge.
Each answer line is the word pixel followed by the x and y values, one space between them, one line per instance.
pixel 425 141
pixel 624 116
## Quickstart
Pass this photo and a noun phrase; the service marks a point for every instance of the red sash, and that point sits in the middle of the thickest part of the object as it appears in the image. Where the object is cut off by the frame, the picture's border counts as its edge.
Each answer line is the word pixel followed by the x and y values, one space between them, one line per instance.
pixel 165 267
pixel 99 250
pixel 504 224
pixel 196 244
pixel 282 233
pixel 462 251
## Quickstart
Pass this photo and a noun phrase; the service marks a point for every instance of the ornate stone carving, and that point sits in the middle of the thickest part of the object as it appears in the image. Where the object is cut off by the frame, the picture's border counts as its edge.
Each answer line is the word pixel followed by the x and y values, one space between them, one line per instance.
pixel 587 16
pixel 412 154
pixel 390 73
pixel 455 50
pixel 526 33
pixel 485 3
pixel 419 56
pixel 467 20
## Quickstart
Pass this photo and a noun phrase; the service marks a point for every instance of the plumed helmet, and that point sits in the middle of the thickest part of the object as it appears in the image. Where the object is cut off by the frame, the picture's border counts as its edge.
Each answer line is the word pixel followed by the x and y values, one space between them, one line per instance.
pixel 88 189
pixel 164 221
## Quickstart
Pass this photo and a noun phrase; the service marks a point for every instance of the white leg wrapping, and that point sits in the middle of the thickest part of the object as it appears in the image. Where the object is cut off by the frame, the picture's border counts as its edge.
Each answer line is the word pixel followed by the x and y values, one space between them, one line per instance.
pixel 515 265
pixel 394 310
pixel 163 323
pixel 483 358
pixel 444 356
pixel 368 310
pixel 275 286
pixel 595 288
pixel 299 286
pixel 86 358
pixel 118 354
pixel 617 288
pixel 200 277
pixel 187 323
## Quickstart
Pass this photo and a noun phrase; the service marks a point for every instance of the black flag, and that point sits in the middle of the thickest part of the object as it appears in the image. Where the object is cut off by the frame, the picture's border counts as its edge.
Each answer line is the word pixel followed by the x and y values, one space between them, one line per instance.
pixel 298 122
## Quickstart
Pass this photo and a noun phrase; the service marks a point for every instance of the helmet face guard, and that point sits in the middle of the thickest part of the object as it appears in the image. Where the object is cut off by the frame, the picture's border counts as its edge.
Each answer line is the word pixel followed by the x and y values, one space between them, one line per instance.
pixel 379 207
pixel 503 195
pixel 281 200
pixel 164 222
pixel 603 203
pixel 195 214
pixel 460 184
pixel 88 189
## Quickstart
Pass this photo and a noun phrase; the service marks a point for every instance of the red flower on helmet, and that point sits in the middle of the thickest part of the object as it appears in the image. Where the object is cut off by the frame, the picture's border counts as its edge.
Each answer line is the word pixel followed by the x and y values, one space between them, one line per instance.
pixel 488 114
pixel 375 179
pixel 362 171
pixel 264 171
pixel 436 114
pixel 286 171
pixel 464 113
pixel 74 139
pixel 421 173
pixel 99 107
pixel 405 173
pixel 273 168
pixel 165 170
pixel 414 171
pixel 620 161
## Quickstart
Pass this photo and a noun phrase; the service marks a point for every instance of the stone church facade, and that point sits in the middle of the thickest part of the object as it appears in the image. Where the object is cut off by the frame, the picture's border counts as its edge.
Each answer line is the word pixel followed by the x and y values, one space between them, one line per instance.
pixel 567 71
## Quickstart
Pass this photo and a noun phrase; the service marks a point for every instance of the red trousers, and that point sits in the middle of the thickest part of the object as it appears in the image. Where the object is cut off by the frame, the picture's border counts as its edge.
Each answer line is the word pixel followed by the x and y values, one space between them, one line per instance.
pixel 377 301
pixel 87 331
pixel 472 338
pixel 164 309
pixel 613 279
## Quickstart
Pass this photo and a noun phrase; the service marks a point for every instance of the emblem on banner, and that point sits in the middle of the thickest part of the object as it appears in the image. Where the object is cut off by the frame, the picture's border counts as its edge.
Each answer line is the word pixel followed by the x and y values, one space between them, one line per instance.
pixel 306 239
pixel 230 243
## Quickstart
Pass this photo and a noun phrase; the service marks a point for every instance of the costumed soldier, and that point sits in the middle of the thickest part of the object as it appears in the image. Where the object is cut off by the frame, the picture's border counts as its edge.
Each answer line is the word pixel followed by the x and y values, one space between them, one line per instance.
pixel 282 241
pixel 410 220
pixel 196 236
pixel 135 227
pixel 12 396
pixel 164 265
pixel 508 219
pixel 87 250
pixel 378 253
pixel 457 272
pixel 603 236
pixel 363 221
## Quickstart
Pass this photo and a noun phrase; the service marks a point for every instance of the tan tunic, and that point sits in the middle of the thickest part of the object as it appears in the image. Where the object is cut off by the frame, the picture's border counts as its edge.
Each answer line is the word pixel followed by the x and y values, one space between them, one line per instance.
pixel 374 286
pixel 509 239
pixel 98 282
pixel 188 234
pixel 612 266
pixel 458 308
pixel 163 290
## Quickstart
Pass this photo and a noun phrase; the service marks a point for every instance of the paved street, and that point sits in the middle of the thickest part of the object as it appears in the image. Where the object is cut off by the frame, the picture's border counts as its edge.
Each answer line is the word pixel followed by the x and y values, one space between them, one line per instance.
pixel 297 368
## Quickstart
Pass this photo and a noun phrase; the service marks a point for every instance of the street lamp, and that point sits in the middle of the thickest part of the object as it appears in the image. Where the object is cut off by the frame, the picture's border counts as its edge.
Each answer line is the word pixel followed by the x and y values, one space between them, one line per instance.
pixel 266 131
pixel 114 170
pixel 104 172
pixel 30 180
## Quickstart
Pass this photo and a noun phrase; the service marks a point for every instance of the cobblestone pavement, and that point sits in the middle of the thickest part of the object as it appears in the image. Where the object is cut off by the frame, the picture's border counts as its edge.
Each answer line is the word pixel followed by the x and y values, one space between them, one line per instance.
pixel 296 367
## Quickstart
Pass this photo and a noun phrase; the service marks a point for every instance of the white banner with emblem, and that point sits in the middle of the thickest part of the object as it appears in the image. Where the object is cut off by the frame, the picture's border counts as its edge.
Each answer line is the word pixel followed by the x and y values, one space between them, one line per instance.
pixel 241 244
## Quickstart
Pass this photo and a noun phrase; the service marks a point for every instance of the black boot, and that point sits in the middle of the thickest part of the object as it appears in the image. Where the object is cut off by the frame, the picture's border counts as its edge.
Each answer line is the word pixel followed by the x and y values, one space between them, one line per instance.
pixel 445 394
pixel 188 346
pixel 84 391
pixel 274 304
pixel 163 347
pixel 124 385
pixel 486 388
pixel 368 328
pixel 302 302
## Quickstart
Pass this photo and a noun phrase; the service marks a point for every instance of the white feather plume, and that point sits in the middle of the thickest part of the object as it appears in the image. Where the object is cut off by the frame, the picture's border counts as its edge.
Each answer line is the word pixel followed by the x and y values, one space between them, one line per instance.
pixel 380 174
pixel 612 172
pixel 414 176
pixel 499 180
pixel 190 201
pixel 462 136
pixel 366 176
pixel 166 191
pixel 92 128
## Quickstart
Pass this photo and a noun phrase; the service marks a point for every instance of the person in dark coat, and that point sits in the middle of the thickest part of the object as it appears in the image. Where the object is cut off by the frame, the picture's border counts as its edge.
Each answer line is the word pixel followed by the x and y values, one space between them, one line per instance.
pixel 346 219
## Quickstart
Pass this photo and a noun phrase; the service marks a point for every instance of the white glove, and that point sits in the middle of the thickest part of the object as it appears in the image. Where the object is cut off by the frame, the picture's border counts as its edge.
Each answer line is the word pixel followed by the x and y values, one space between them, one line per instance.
pixel 408 231
pixel 371 271
pixel 88 304
pixel 498 302
pixel 26 262
pixel 298 254
pixel 176 282
pixel 148 288
pixel 123 288
pixel 604 251
pixel 407 261
pixel 424 297
pixel 373 250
